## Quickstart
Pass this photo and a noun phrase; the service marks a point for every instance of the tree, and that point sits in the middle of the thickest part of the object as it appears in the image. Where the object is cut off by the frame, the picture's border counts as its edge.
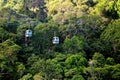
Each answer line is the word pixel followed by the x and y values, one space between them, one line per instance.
pixel 99 58
pixel 38 77
pixel 111 34
pixel 26 77
pixel 8 57
pixel 109 72
pixel 20 69
pixel 9 49
pixel 46 68
pixel 106 8
pixel 73 45
pixel 110 61
pixel 16 5
pixel 65 9
pixel 34 9
pixel 75 65
pixel 78 77
pixel 3 34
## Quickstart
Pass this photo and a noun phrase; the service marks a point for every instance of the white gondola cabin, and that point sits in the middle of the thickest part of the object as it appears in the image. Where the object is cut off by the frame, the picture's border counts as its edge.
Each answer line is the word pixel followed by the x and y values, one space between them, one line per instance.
pixel 55 40
pixel 28 33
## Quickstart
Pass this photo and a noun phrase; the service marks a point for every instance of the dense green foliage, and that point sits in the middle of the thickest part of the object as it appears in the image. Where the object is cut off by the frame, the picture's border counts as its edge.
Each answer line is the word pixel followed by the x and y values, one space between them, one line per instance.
pixel 89 33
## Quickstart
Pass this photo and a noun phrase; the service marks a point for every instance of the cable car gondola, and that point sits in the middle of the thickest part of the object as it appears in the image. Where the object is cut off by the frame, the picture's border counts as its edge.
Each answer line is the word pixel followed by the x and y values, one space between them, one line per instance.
pixel 28 33
pixel 55 40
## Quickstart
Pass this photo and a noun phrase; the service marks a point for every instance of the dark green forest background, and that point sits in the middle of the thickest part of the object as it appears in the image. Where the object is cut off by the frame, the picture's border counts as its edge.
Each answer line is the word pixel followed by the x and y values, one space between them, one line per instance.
pixel 89 32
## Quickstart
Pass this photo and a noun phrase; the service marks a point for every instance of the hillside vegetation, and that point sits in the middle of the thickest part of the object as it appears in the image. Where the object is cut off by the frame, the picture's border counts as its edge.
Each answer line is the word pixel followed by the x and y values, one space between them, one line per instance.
pixel 88 32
